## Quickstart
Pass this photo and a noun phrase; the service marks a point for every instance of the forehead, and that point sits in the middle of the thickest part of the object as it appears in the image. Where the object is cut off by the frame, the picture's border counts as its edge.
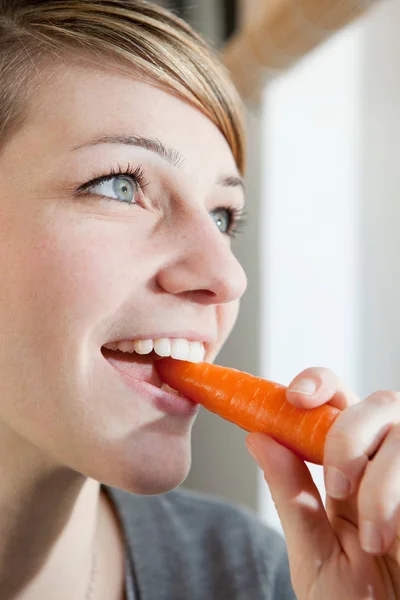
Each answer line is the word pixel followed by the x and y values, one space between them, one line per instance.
pixel 79 100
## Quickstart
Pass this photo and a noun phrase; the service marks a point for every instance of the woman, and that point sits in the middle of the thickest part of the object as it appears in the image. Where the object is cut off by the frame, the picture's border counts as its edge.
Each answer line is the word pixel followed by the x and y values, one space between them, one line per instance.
pixel 121 165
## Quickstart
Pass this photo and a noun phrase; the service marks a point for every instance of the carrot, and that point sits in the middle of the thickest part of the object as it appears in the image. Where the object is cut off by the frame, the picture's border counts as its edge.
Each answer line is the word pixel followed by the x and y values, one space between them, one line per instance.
pixel 252 403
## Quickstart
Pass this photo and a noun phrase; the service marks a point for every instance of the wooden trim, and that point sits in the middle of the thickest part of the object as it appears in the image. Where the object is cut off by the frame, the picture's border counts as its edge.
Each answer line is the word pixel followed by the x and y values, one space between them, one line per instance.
pixel 283 32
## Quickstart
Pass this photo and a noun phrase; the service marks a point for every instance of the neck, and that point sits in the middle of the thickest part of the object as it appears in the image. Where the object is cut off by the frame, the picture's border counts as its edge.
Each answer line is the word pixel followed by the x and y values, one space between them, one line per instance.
pixel 49 525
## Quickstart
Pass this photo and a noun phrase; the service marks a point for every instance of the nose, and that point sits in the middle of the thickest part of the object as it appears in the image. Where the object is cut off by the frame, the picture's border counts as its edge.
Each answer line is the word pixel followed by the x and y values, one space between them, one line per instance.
pixel 203 266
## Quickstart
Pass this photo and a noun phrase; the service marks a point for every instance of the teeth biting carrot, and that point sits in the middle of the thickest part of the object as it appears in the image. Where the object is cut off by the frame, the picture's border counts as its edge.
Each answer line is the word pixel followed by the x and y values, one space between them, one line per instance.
pixel 252 403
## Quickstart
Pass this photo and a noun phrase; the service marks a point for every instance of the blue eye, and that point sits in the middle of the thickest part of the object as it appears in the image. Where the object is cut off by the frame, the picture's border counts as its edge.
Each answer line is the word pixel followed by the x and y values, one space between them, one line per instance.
pixel 222 218
pixel 228 220
pixel 127 185
pixel 119 186
pixel 122 187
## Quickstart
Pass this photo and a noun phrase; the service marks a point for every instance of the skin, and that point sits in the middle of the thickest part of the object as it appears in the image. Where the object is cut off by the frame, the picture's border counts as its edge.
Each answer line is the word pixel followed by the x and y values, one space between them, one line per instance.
pixel 79 272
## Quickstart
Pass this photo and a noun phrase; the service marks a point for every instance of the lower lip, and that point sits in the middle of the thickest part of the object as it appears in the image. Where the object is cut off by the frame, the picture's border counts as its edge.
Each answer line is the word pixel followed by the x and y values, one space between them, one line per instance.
pixel 161 399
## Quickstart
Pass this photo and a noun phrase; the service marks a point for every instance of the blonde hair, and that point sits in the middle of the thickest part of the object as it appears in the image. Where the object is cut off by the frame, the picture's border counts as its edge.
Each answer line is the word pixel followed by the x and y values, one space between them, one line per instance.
pixel 153 40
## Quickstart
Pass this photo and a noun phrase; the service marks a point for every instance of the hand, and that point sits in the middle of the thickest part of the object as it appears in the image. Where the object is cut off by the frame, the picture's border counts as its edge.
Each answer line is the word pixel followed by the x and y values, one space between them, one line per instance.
pixel 350 549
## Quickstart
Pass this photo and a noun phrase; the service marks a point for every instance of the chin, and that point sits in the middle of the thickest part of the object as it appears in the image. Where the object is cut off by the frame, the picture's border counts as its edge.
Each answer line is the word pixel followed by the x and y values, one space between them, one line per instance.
pixel 158 479
pixel 152 471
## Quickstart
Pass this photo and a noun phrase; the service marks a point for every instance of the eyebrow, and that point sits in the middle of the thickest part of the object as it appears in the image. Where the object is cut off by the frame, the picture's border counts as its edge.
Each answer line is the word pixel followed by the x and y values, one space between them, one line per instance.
pixel 170 155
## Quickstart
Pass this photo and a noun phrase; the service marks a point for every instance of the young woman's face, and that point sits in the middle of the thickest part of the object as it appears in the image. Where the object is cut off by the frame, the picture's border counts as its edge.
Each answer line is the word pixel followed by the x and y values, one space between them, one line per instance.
pixel 137 257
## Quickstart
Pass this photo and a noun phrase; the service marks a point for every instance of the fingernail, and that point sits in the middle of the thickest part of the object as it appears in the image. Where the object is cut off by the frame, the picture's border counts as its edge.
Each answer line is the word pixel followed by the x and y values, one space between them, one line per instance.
pixel 371 539
pixel 337 485
pixel 253 453
pixel 304 386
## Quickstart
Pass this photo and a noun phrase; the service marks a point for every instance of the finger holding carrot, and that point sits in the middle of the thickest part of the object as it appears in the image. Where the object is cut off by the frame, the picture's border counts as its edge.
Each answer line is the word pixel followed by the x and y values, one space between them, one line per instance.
pixel 349 549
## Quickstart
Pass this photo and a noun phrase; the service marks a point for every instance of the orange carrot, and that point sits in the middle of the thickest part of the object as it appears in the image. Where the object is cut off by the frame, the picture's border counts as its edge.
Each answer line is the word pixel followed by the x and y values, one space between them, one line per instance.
pixel 252 403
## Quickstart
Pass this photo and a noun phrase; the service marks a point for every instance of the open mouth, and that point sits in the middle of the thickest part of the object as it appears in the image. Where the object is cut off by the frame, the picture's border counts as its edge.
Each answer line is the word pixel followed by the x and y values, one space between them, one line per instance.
pixel 140 367
pixel 141 375
pixel 135 361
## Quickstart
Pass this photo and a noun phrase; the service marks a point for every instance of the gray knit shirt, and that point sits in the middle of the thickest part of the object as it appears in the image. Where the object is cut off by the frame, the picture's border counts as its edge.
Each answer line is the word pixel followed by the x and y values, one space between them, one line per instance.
pixel 185 545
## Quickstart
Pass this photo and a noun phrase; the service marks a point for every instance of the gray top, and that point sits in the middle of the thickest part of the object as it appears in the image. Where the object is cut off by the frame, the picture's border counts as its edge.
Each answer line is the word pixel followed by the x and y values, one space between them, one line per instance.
pixel 185 545
pixel 129 580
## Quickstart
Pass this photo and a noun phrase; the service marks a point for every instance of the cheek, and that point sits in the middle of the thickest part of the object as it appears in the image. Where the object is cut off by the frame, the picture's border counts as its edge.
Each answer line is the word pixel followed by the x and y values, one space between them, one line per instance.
pixel 72 278
pixel 79 273
pixel 68 276
pixel 227 315
pixel 226 319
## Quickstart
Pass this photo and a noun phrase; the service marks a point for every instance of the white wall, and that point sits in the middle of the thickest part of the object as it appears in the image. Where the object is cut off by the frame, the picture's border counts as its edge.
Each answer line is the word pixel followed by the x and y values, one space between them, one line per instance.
pixel 330 285
pixel 379 219
pixel 309 220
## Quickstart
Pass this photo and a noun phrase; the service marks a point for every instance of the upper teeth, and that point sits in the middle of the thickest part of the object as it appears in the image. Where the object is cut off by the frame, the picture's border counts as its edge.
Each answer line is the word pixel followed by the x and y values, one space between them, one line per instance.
pixel 177 348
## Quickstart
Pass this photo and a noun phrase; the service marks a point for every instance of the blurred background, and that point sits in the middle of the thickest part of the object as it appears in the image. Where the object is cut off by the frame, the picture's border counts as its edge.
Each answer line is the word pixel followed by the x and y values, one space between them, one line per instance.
pixel 321 245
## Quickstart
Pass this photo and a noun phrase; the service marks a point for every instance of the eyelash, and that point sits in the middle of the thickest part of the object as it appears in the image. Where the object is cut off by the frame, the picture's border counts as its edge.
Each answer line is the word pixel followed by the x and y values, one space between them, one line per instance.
pixel 237 219
pixel 135 173
pixel 236 215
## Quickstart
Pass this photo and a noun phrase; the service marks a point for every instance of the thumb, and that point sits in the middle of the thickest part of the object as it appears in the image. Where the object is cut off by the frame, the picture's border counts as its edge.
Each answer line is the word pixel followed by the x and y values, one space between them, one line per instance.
pixel 309 536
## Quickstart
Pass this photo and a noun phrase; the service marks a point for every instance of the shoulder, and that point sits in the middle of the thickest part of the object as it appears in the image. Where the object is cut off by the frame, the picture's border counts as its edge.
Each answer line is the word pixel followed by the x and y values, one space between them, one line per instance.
pixel 212 531
pixel 234 532
pixel 198 513
pixel 206 514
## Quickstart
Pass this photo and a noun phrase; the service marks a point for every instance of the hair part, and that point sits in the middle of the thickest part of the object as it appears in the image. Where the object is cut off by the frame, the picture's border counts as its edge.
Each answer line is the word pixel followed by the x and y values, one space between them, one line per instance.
pixel 155 42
